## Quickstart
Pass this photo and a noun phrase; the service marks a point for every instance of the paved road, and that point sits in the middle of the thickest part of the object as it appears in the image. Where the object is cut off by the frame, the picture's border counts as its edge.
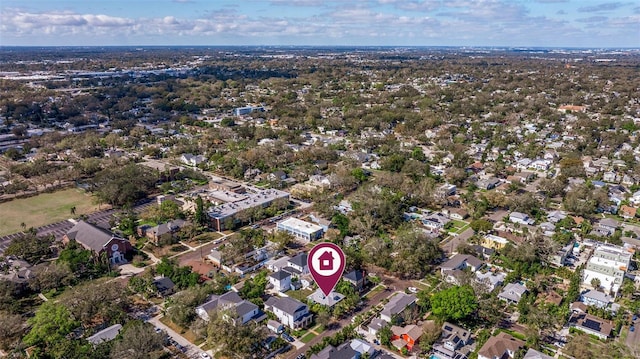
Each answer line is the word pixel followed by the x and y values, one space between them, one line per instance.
pixel 633 338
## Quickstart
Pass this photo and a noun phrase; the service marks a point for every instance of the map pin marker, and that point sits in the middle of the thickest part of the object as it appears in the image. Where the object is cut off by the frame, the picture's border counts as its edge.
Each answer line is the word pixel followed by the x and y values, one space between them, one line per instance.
pixel 326 263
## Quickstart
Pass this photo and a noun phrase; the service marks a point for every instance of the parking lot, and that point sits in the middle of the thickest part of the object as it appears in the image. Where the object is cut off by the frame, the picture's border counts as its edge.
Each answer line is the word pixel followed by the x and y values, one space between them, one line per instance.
pixel 59 229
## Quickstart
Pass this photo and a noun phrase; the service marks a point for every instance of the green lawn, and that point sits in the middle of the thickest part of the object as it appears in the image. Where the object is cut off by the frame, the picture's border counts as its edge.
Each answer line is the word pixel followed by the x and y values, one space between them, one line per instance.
pixel 379 288
pixel 44 209
pixel 300 295
pixel 307 338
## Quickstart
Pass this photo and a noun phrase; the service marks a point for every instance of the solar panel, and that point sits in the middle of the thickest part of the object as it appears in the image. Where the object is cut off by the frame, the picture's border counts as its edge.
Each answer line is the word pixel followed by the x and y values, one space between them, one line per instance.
pixel 591 324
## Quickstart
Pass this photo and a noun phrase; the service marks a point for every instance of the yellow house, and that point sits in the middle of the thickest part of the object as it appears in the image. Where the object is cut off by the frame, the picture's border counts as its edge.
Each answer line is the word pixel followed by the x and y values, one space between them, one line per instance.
pixel 494 242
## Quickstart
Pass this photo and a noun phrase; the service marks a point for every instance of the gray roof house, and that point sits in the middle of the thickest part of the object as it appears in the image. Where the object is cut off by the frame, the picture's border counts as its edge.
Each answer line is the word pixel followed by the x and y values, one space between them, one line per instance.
pixel 105 335
pixel 512 292
pixel 534 354
pixel 290 312
pixel 244 310
pixel 396 305
pixel 596 298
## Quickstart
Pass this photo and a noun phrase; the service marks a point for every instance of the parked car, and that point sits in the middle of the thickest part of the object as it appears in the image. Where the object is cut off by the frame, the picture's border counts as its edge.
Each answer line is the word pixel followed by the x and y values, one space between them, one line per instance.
pixel 635 316
pixel 204 355
pixel 300 356
pixel 413 289
pixel 288 337
pixel 632 328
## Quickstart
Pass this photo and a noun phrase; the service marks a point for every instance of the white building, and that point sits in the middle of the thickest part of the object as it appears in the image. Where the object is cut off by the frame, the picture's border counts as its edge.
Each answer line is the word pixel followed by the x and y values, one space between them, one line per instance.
pixel 289 311
pixel 608 264
pixel 301 229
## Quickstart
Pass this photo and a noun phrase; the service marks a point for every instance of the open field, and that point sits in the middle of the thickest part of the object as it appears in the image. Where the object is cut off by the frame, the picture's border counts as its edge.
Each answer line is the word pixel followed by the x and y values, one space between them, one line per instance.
pixel 43 209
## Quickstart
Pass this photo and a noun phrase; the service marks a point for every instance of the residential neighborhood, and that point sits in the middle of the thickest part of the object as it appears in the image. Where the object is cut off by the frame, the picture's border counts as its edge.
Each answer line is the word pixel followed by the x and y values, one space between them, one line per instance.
pixel 486 203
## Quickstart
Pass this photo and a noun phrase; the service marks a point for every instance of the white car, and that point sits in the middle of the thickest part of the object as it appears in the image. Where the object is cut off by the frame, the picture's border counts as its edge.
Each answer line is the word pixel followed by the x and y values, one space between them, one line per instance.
pixel 204 355
pixel 413 289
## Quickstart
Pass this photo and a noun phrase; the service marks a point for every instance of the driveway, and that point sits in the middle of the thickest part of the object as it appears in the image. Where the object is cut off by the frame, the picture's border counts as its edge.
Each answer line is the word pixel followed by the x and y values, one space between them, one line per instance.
pixel 192 350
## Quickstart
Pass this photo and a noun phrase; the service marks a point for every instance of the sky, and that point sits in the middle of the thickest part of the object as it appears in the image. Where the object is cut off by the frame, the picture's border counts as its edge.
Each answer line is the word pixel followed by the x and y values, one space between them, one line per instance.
pixel 519 23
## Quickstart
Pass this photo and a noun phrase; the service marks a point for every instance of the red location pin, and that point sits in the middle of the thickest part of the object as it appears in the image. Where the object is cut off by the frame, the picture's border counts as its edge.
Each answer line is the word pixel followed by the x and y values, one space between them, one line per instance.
pixel 326 263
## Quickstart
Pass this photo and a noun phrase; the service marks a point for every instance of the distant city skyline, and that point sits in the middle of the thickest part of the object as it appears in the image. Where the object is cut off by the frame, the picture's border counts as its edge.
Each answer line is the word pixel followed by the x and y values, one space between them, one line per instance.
pixel 518 23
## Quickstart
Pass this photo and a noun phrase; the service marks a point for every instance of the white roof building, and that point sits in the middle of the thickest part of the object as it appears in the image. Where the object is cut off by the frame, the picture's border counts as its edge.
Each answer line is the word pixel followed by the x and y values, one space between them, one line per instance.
pixel 608 264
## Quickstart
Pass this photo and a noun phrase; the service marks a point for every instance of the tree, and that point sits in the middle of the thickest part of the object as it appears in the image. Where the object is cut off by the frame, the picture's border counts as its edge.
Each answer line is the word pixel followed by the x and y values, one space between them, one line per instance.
pixel 120 186
pixel 138 341
pixel 416 253
pixel 182 277
pixel 12 327
pixel 50 325
pixel 455 303
pixel 30 247
pixel 481 225
pixel 235 340
pixel 97 302
pixel 595 283
pixel 200 217
pixel 385 334
pixel 53 275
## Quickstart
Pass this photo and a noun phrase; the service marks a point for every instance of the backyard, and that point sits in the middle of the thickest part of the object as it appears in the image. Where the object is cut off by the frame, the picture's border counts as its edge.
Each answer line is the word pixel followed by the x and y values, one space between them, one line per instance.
pixel 44 209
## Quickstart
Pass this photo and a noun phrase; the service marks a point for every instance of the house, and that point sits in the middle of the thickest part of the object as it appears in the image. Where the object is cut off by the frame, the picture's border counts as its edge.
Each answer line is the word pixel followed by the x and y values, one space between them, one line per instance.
pixel 512 292
pixel 297 265
pixel 375 325
pixel 162 233
pixel 99 241
pixel 363 347
pixel 607 226
pixel 490 279
pixel 244 310
pixel 534 354
pixel 300 229
pixel 458 214
pixel 275 326
pixel 483 252
pixel 289 311
pixel 276 264
pixel 493 241
pixel 328 300
pixel 595 298
pixel 446 190
pixel 357 278
pixel 396 305
pixel 164 286
pixel 591 325
pixel 452 339
pixel 15 270
pixel 277 176
pixel 610 177
pixel 405 337
pixel 541 164
pixel 627 212
pixel 192 160
pixel 436 221
pixel 501 346
pixel 608 264
pixel 556 216
pixel 343 351
pixel 461 262
pixel 521 218
pixel 280 280
pixel 488 184
pixel 105 335
pixel 559 258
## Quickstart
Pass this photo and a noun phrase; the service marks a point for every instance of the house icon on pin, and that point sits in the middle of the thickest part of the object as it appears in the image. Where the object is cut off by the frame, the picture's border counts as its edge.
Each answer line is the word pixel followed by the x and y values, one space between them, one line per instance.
pixel 326 261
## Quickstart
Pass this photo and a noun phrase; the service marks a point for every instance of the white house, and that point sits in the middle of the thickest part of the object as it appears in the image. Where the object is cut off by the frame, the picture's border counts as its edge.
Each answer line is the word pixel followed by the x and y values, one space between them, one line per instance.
pixel 289 311
pixel 522 218
pixel 607 264
pixel 281 281
pixel 192 160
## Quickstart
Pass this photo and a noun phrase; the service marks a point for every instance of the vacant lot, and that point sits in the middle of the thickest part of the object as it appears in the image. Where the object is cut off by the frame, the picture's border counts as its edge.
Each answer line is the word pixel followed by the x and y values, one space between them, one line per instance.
pixel 43 209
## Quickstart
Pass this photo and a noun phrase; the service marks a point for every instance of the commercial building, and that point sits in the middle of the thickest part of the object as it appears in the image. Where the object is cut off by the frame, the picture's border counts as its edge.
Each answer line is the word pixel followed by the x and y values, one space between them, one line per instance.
pixel 224 216
pixel 607 264
pixel 301 229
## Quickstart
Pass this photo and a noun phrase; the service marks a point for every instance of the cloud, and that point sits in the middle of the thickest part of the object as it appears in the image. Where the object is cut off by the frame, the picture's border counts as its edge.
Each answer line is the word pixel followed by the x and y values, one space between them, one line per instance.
pixel 593 19
pixel 551 1
pixel 609 6
pixel 298 2
pixel 561 12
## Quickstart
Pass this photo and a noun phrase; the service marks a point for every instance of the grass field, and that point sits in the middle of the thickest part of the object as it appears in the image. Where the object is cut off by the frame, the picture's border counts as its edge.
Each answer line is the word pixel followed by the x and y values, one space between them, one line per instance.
pixel 43 209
